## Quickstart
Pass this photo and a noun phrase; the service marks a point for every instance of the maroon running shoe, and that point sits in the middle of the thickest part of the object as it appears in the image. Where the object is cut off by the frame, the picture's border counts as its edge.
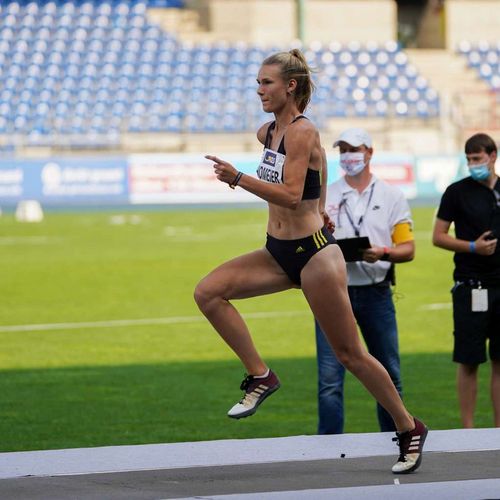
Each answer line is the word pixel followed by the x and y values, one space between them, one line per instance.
pixel 256 390
pixel 411 444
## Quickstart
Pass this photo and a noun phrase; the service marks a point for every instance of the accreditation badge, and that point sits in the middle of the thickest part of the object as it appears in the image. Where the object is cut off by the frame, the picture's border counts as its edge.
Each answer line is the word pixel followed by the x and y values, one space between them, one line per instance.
pixel 479 299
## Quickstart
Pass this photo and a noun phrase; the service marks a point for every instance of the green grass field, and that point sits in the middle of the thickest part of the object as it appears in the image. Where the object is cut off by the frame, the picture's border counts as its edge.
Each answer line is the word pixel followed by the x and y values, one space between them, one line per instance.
pixel 109 382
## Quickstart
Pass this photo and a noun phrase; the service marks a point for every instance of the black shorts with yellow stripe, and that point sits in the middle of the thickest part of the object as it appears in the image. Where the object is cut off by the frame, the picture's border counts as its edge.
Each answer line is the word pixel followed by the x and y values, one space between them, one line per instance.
pixel 293 255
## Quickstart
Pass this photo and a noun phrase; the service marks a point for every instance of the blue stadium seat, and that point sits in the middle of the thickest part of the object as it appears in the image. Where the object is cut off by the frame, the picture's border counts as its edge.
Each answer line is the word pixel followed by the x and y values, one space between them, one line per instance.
pixel 108 63
pixel 484 57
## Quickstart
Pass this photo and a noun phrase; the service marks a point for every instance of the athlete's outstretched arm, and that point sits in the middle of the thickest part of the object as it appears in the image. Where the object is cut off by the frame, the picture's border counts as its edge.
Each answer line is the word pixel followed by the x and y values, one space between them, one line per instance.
pixel 299 143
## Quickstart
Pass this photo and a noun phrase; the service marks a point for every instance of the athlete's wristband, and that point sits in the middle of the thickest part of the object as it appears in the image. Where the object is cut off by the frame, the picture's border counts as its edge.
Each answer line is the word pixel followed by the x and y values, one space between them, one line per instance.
pixel 472 246
pixel 233 184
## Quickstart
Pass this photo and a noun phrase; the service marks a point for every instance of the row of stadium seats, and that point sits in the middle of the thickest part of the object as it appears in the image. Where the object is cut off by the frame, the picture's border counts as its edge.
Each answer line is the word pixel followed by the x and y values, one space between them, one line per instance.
pixel 102 68
pixel 485 58
pixel 84 6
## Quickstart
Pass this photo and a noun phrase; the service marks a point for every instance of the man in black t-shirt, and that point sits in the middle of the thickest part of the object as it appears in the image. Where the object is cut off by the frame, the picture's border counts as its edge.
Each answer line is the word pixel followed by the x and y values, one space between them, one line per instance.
pixel 473 205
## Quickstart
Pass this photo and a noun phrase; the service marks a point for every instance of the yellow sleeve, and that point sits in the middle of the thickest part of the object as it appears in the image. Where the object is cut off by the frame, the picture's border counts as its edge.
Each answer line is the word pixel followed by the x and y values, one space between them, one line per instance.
pixel 402 233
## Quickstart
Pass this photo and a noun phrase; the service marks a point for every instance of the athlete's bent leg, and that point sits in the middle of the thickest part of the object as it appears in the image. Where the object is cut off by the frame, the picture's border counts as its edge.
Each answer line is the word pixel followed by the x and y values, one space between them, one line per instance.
pixel 324 283
pixel 247 276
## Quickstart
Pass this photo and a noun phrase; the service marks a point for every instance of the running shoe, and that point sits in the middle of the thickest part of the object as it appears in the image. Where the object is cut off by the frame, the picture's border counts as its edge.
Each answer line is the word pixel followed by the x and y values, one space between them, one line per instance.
pixel 411 444
pixel 256 390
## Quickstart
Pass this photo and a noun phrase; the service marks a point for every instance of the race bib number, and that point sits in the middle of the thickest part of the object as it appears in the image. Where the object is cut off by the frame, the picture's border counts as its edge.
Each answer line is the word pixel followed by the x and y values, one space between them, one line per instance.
pixel 271 167
pixel 479 299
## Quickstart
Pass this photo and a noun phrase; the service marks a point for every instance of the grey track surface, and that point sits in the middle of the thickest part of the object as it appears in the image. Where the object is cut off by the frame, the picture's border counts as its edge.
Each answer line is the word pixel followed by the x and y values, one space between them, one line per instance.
pixel 308 479
pixel 458 464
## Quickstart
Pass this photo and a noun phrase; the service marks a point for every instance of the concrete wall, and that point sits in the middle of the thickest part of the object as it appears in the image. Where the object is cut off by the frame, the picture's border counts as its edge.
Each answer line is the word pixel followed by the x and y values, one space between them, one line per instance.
pixel 347 20
pixel 276 21
pixel 256 21
pixel 472 20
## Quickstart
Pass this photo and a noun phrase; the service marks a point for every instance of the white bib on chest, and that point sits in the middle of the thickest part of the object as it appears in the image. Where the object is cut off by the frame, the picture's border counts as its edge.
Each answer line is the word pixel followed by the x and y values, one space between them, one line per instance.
pixel 271 167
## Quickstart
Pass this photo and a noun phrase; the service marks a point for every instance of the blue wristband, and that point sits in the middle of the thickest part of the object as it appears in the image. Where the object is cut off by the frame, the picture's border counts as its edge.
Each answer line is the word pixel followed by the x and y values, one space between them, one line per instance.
pixel 472 246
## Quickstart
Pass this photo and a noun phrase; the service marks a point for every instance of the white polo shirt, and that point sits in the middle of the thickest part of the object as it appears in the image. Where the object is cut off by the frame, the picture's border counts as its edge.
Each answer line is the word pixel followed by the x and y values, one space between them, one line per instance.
pixel 373 213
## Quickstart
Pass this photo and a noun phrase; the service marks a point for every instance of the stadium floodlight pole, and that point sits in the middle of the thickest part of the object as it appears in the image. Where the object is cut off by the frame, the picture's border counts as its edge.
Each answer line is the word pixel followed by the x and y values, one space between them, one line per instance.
pixel 301 8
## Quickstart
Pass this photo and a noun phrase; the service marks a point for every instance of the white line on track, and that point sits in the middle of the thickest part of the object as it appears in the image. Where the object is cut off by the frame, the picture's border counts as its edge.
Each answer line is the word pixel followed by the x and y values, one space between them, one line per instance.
pixel 134 322
pixel 26 240
pixel 435 307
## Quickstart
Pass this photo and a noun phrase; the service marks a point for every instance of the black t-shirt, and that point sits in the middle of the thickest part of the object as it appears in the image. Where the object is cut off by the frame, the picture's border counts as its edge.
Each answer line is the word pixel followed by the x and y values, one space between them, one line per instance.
pixel 474 209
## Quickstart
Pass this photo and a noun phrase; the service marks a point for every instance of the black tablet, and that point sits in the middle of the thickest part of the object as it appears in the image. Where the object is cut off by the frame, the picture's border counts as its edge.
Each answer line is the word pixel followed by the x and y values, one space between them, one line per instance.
pixel 353 248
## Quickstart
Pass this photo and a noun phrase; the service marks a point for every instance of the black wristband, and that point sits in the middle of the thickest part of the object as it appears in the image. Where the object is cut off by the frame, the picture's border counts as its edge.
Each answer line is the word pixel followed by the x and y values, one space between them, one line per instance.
pixel 233 184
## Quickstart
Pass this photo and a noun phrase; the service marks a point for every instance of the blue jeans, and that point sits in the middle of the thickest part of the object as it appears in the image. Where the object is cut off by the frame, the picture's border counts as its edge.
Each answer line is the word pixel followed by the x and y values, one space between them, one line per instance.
pixel 376 317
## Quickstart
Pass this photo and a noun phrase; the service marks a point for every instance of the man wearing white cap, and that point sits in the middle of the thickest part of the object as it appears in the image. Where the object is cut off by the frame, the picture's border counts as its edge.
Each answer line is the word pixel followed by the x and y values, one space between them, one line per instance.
pixel 360 205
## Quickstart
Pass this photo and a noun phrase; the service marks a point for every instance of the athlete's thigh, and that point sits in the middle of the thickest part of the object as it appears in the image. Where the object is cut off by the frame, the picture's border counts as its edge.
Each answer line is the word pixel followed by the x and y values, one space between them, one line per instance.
pixel 249 275
pixel 325 272
pixel 324 283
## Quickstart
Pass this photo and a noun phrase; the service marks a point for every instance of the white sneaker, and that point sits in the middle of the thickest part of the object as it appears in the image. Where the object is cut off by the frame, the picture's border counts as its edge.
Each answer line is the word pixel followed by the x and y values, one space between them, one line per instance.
pixel 256 390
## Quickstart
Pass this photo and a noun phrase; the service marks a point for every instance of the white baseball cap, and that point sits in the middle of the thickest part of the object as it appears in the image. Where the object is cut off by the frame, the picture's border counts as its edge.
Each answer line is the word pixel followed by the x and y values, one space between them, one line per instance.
pixel 355 137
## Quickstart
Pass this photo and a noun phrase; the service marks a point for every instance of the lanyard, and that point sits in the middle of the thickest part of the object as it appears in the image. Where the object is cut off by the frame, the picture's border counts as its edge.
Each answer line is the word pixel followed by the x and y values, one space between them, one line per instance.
pixel 356 227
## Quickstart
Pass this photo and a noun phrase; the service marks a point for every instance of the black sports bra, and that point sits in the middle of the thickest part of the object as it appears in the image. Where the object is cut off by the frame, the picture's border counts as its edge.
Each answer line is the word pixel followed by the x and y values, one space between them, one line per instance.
pixel 271 166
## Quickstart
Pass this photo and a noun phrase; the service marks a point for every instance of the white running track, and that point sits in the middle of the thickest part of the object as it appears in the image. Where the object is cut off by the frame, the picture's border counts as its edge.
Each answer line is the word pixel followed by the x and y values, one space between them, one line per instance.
pixel 122 459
